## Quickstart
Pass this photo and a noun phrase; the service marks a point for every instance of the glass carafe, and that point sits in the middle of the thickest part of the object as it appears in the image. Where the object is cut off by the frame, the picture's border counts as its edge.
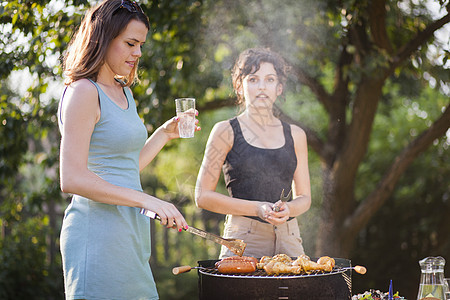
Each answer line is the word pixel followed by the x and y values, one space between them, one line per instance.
pixel 432 285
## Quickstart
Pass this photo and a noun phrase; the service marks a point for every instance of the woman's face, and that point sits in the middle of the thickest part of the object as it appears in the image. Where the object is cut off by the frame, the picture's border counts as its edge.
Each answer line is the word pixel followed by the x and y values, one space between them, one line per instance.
pixel 124 51
pixel 261 89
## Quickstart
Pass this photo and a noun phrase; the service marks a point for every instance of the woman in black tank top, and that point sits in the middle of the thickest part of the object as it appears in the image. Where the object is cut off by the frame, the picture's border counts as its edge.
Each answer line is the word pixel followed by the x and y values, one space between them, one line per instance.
pixel 260 157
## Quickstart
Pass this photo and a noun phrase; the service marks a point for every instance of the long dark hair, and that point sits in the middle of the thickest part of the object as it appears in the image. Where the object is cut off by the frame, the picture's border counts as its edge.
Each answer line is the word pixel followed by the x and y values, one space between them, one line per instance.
pixel 88 47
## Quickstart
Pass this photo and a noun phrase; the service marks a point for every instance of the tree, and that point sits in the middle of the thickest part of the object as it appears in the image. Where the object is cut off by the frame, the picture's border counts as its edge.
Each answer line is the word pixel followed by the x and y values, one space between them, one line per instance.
pixel 358 67
pixel 345 53
pixel 34 36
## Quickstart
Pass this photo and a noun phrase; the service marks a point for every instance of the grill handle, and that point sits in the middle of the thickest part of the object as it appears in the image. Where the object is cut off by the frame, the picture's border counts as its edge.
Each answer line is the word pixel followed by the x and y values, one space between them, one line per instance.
pixel 184 269
pixel 181 269
pixel 357 269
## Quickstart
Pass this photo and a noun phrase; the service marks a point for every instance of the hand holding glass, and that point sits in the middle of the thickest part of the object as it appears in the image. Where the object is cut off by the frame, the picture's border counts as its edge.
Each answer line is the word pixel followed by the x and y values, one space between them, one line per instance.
pixel 185 108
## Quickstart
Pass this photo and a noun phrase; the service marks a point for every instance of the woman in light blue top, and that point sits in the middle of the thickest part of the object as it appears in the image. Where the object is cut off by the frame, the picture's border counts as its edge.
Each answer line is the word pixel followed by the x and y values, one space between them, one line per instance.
pixel 105 241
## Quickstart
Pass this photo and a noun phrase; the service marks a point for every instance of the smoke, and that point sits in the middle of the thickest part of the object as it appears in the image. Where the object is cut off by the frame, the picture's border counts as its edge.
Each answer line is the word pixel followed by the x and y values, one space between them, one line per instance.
pixel 287 27
pixel 295 29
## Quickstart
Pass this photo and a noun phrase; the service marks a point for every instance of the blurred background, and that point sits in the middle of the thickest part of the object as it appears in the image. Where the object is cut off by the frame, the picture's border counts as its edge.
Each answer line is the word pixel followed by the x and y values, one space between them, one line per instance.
pixel 369 83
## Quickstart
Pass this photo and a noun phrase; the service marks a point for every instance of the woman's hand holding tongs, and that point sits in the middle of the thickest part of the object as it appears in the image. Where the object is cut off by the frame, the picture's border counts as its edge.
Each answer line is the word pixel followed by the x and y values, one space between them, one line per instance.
pixel 279 217
pixel 280 210
pixel 264 209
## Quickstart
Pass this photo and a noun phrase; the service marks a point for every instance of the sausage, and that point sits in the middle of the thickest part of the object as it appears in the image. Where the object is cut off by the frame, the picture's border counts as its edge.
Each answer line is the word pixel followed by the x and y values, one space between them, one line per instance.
pixel 241 258
pixel 236 266
pixel 238 259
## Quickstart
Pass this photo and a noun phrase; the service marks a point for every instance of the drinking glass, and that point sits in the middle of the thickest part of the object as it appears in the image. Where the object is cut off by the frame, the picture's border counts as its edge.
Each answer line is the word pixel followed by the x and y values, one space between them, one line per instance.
pixel 185 108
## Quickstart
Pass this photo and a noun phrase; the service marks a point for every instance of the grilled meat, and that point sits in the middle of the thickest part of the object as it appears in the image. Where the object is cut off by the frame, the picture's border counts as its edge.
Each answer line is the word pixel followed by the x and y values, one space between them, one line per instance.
pixel 283 264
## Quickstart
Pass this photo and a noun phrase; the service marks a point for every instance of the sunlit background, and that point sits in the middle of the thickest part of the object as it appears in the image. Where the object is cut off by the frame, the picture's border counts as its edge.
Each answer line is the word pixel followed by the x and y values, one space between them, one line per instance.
pixel 189 52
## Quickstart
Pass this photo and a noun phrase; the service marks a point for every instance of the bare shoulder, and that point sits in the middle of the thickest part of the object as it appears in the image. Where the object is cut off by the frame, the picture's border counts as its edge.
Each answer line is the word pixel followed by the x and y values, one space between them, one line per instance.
pixel 82 89
pixel 298 134
pixel 222 133
pixel 81 98
pixel 223 126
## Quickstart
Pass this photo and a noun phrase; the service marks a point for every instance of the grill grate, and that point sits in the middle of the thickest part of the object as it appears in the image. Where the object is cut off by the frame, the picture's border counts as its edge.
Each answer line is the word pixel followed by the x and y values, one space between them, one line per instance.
pixel 260 273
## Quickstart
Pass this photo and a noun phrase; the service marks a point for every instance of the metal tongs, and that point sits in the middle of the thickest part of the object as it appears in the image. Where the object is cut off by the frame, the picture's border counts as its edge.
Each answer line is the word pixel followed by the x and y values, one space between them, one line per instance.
pixel 236 246
pixel 283 199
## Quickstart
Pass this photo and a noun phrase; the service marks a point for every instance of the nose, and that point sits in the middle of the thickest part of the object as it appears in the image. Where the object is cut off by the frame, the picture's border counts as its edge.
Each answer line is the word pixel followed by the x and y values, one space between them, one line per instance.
pixel 138 52
pixel 261 85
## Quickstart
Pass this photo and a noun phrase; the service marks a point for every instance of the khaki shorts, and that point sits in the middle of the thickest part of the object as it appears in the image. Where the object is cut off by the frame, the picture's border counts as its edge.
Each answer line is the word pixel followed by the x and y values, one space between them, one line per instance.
pixel 263 239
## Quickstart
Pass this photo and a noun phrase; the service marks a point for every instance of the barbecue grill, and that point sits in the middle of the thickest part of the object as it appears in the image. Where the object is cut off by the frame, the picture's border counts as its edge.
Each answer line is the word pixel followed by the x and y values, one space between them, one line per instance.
pixel 334 285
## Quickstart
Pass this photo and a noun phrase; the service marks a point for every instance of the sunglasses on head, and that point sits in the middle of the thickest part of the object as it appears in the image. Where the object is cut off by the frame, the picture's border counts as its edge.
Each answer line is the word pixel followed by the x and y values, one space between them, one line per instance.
pixel 131 6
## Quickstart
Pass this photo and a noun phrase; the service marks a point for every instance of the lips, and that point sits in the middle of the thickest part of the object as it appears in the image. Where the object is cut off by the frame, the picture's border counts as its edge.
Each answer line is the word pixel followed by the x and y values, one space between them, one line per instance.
pixel 264 96
pixel 131 63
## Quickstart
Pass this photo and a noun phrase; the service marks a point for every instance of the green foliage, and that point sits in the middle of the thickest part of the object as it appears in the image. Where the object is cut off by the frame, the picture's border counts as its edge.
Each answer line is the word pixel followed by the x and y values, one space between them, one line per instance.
pixel 12 139
pixel 183 286
pixel 400 119
pixel 25 269
pixel 34 35
pixel 189 52
pixel 170 65
pixel 414 223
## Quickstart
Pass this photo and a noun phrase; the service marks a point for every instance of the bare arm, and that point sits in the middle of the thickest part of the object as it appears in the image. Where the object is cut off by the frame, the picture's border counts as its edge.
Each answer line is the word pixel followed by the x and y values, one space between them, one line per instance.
pixel 301 186
pixel 163 134
pixel 80 112
pixel 219 144
pixel 301 201
pixel 157 141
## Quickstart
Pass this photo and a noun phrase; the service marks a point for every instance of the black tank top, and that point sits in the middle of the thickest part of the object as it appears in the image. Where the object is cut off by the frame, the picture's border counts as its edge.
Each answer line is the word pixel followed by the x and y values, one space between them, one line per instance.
pixel 259 174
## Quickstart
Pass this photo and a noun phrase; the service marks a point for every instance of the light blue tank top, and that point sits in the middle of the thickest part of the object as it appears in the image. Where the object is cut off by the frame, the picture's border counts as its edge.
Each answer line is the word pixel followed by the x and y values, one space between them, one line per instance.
pixel 106 248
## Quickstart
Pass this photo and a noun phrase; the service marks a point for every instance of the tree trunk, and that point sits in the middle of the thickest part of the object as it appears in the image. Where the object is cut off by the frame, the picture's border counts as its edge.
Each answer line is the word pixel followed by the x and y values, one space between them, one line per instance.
pixel 339 175
pixel 341 218
pixel 340 222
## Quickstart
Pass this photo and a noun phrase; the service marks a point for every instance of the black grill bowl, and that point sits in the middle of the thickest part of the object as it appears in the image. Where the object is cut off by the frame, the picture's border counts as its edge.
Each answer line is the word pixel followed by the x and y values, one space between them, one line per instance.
pixel 336 285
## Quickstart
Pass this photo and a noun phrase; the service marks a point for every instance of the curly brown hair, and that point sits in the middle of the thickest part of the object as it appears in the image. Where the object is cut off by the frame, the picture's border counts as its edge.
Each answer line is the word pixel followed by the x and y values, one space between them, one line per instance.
pixel 89 45
pixel 249 62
